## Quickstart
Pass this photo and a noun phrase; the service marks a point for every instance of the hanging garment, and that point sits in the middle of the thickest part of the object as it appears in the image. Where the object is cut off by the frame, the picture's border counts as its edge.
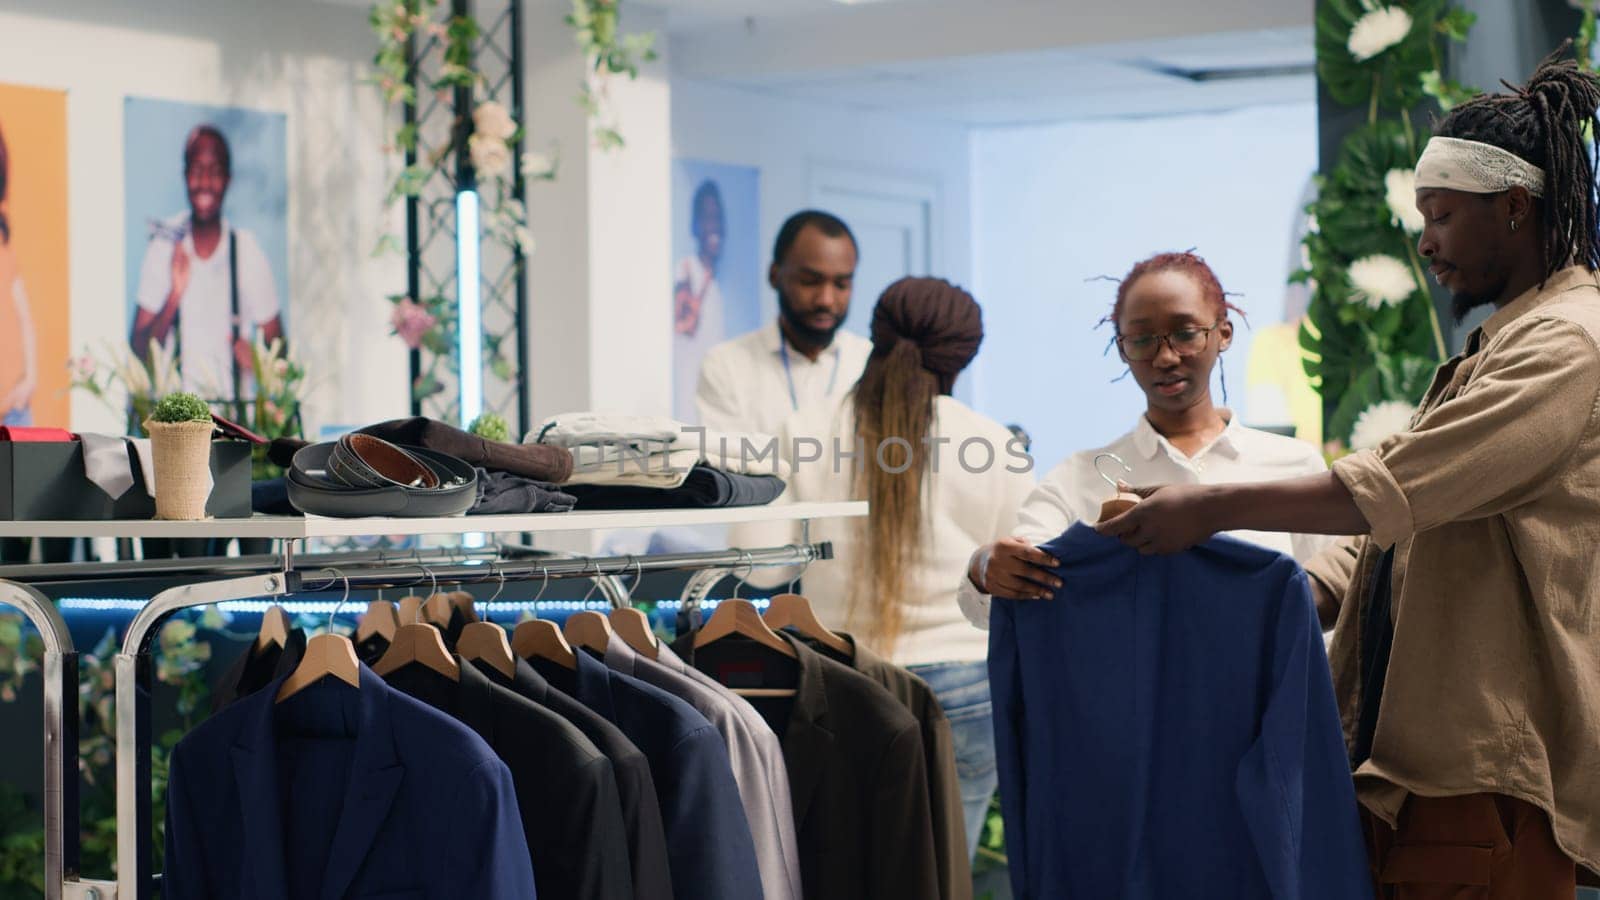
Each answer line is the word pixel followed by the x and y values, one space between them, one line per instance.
pixel 703 488
pixel 753 753
pixel 581 853
pixel 856 772
pixel 641 811
pixel 340 792
pixel 371 648
pixel 1166 728
pixel 712 856
pixel 255 669
pixel 939 753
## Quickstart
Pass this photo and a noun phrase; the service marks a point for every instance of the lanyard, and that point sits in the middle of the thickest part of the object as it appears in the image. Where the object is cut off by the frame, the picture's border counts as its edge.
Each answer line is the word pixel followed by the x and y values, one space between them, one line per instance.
pixel 783 353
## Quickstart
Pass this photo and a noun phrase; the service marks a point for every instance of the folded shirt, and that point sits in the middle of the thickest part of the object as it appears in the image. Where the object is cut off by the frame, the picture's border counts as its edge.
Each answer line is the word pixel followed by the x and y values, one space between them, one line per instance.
pixel 599 465
pixel 579 428
pixel 703 487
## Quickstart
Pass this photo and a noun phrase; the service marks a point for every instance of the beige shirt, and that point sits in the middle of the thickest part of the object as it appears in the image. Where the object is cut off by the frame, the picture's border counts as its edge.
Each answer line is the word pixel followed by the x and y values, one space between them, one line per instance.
pixel 1492 501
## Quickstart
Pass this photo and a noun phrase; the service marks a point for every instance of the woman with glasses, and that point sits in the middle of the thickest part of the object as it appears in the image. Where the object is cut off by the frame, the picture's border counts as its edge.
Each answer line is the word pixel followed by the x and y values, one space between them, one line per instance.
pixel 1172 325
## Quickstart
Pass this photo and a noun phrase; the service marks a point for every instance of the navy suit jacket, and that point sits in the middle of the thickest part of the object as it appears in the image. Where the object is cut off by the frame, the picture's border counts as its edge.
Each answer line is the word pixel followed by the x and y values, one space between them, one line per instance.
pixel 336 793
pixel 713 856
pixel 1166 727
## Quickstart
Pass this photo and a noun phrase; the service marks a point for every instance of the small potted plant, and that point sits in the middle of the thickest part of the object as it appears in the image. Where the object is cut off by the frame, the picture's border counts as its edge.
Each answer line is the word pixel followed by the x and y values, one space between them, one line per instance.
pixel 490 427
pixel 180 432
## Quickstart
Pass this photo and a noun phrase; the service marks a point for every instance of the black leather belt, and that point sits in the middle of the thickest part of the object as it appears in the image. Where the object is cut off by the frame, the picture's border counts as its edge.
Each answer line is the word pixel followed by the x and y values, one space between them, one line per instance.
pixel 317 486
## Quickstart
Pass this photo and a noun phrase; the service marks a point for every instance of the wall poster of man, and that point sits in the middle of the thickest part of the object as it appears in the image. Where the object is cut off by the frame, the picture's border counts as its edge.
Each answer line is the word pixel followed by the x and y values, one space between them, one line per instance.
pixel 716 282
pixel 207 239
pixel 33 257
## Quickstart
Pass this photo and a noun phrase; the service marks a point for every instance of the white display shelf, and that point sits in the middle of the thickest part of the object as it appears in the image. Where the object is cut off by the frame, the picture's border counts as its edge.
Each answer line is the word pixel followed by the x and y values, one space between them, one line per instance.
pixel 300 528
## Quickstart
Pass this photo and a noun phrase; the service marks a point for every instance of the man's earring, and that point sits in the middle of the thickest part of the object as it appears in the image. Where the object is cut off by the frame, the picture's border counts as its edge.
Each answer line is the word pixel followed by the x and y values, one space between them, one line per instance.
pixel 1513 224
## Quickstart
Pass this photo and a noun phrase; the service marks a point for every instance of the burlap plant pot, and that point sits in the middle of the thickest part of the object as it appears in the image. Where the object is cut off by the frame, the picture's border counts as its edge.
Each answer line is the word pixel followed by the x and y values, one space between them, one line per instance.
pixel 183 468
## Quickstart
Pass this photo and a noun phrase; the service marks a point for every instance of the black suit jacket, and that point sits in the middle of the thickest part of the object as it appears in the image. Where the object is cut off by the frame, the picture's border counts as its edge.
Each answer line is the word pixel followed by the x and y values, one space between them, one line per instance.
pixel 713 856
pixel 565 789
pixel 641 811
pixel 939 749
pixel 253 671
pixel 856 773
pixel 340 792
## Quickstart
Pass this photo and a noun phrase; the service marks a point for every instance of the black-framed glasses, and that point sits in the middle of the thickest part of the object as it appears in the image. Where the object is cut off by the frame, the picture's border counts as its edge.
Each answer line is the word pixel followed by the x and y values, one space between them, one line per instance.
pixel 1184 342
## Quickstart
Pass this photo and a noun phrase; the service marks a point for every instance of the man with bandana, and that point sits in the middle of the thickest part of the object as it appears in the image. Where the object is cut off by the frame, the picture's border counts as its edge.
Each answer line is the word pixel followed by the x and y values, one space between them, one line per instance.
pixel 1466 650
pixel 755 382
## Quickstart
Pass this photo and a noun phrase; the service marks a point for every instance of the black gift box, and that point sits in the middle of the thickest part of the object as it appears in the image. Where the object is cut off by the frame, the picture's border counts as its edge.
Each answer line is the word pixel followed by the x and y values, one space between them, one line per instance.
pixel 45 480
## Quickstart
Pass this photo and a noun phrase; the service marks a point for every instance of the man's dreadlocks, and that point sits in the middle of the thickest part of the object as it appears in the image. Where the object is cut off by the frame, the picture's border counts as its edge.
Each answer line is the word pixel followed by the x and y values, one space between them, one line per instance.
pixel 1544 122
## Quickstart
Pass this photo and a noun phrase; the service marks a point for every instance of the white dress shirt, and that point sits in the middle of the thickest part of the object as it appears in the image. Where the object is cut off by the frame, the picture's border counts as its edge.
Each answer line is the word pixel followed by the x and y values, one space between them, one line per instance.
pixel 968 500
pixel 745 386
pixel 1073 491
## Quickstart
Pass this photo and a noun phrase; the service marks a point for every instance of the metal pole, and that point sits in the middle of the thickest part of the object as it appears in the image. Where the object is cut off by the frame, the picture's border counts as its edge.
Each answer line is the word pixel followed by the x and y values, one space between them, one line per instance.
pixel 133 664
pixel 134 810
pixel 60 669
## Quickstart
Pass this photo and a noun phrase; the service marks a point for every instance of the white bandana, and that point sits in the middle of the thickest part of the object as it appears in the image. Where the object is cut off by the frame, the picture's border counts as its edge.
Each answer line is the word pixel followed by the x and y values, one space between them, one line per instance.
pixel 1477 168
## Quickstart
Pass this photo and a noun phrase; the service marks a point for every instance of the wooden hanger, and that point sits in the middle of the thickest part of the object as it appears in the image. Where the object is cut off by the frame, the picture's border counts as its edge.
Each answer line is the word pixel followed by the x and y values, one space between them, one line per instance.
pixel 794 611
pixel 418 642
pixel 328 655
pixel 410 609
pixel 379 619
pixel 735 616
pixel 633 626
pixel 485 642
pixel 274 629
pixel 421 644
pixel 1122 501
pixel 541 639
pixel 436 609
pixel 589 629
pixel 463 603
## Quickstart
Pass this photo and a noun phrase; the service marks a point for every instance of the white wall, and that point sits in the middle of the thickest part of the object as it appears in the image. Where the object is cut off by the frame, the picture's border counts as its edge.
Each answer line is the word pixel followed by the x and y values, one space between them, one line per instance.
pixel 1055 206
pixel 788 139
pixel 302 58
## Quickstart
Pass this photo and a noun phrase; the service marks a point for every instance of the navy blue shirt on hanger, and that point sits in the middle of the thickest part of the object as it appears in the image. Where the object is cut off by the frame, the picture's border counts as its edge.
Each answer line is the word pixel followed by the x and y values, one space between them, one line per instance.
pixel 1166 727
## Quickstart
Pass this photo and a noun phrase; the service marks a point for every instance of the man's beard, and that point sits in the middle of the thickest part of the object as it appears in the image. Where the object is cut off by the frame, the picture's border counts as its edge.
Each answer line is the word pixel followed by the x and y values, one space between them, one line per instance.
pixel 816 337
pixel 1462 304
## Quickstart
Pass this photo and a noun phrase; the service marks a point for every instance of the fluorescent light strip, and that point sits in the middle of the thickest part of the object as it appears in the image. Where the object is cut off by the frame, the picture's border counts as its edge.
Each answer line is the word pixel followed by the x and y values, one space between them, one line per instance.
pixel 469 287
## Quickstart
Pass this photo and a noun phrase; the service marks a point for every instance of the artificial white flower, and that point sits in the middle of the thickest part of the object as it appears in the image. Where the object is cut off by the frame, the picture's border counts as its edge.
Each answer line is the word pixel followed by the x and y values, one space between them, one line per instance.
pixel 537 165
pixel 1400 192
pixel 491 120
pixel 490 156
pixel 1380 421
pixel 1381 280
pixel 1377 31
pixel 524 238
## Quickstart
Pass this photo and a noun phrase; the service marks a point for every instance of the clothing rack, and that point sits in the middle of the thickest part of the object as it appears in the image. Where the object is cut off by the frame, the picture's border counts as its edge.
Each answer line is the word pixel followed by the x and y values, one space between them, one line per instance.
pixel 221 579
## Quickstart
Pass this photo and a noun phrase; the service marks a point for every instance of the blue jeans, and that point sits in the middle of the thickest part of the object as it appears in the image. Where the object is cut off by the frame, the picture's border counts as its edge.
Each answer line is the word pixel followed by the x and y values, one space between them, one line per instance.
pixel 963 692
pixel 18 417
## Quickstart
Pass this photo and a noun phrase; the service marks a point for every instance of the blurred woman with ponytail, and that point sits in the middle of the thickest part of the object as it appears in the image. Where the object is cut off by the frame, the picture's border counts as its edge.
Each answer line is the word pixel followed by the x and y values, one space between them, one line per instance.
pixel 939 478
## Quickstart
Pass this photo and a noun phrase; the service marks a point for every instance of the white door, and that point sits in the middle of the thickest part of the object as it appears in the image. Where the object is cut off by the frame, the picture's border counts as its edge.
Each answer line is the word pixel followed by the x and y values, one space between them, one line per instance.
pixel 892 219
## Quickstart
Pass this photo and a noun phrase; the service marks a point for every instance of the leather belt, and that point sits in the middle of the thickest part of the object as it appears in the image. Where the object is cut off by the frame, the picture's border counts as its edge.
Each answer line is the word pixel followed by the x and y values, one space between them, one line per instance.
pixel 363 461
pixel 314 488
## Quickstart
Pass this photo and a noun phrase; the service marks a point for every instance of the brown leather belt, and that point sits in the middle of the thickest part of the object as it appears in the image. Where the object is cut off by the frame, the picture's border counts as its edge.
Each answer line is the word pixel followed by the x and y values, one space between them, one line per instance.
pixel 363 461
